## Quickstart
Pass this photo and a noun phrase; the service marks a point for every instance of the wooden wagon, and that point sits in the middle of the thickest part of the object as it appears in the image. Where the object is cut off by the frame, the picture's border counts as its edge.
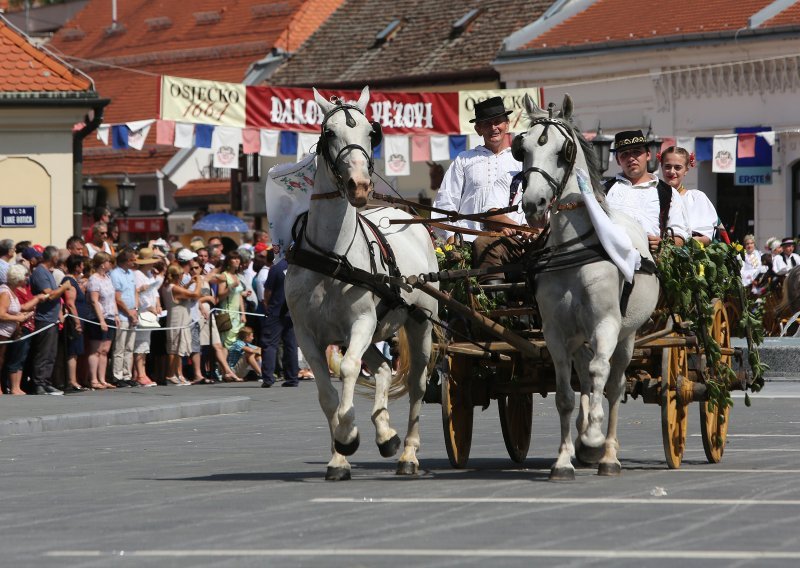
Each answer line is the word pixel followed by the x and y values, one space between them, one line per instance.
pixel 669 368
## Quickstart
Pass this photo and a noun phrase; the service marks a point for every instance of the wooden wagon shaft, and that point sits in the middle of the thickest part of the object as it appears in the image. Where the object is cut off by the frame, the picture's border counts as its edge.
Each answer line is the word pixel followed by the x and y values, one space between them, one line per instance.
pixel 522 345
pixel 493 224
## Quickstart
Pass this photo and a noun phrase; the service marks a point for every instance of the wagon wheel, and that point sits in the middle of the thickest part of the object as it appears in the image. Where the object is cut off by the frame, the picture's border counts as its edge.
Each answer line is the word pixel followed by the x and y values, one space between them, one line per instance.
pixel 516 420
pixel 714 432
pixel 674 418
pixel 457 411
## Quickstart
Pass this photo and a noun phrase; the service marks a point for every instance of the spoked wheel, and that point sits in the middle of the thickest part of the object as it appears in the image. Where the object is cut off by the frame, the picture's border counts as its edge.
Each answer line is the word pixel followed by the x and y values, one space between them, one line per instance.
pixel 713 427
pixel 516 421
pixel 457 411
pixel 674 418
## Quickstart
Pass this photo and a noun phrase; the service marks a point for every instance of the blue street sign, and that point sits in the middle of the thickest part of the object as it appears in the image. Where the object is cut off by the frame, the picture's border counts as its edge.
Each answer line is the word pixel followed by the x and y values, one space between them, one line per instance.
pixel 16 217
pixel 756 175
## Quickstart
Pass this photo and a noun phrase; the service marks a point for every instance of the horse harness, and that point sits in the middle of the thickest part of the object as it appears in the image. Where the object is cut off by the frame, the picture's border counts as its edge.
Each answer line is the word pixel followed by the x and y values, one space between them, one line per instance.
pixel 386 286
pixel 324 149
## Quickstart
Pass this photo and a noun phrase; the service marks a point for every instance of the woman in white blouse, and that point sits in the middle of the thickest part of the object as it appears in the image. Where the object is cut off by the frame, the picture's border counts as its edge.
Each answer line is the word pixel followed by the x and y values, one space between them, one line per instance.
pixel 100 333
pixel 752 267
pixel 703 218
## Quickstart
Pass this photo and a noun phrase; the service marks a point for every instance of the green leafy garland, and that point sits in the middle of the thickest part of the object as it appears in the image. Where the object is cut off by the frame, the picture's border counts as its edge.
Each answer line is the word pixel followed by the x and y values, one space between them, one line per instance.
pixel 459 257
pixel 693 275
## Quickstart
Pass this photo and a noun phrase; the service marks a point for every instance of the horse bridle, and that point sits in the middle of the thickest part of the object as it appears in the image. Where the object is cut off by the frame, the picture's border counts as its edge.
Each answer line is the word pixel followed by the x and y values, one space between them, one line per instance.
pixel 323 145
pixel 568 153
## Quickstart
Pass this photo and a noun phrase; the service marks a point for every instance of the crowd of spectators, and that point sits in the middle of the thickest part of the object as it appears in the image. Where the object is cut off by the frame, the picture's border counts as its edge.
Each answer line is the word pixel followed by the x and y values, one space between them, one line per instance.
pixel 761 268
pixel 96 315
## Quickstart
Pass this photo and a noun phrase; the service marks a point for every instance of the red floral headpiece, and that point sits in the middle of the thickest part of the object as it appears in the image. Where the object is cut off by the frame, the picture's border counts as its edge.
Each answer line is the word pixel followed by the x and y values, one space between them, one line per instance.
pixel 692 159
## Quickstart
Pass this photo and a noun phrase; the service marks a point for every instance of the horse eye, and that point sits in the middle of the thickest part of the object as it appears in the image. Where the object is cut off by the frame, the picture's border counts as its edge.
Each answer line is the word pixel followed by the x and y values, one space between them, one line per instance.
pixel 329 133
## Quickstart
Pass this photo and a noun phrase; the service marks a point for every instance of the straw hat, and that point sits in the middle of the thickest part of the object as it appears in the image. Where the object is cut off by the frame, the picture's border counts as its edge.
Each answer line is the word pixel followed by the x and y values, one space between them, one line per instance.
pixel 146 256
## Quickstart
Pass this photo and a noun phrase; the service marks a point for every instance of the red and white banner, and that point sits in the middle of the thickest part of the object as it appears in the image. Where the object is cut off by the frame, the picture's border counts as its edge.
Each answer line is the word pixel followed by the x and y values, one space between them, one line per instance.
pixel 397 113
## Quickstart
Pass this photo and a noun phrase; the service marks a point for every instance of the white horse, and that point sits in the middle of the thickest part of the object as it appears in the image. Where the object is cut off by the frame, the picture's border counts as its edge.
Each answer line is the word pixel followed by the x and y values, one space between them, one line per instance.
pixel 329 311
pixel 580 305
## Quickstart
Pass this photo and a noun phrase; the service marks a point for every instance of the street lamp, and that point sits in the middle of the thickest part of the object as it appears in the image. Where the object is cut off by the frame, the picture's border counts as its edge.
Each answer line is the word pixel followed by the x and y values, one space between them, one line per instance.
pixel 90 189
pixel 601 143
pixel 654 146
pixel 125 189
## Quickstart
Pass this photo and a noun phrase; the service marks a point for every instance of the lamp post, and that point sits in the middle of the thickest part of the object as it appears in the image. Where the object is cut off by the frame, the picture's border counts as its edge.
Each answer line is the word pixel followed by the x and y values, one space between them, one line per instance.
pixel 601 143
pixel 90 189
pixel 654 147
pixel 125 189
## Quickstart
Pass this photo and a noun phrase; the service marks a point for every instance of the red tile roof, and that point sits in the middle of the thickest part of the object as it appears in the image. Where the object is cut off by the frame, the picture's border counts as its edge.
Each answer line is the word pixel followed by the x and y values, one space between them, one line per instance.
pixel 790 16
pixel 204 188
pixel 625 20
pixel 343 51
pixel 203 39
pixel 100 160
pixel 25 68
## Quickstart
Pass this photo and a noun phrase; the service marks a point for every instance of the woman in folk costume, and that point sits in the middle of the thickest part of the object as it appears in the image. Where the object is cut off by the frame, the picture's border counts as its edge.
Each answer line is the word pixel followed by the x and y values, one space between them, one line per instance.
pixel 752 267
pixel 703 218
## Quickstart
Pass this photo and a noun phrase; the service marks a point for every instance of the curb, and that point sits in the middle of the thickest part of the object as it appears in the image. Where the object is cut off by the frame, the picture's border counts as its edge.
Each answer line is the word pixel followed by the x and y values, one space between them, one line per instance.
pixel 124 417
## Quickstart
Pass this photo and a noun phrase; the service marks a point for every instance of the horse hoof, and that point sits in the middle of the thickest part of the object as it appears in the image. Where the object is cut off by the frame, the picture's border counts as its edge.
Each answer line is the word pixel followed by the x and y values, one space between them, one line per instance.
pixel 609 469
pixel 347 449
pixel 337 474
pixel 390 446
pixel 407 468
pixel 562 474
pixel 587 455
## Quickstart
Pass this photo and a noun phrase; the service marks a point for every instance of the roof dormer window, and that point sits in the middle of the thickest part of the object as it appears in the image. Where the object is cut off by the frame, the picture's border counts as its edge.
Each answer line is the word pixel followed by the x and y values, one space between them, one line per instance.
pixel 461 25
pixel 387 33
pixel 159 23
pixel 207 18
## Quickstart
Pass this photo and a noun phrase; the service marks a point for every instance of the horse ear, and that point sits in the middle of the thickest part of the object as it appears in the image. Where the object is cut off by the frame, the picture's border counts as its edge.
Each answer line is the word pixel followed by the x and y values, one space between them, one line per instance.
pixel 566 107
pixel 323 104
pixel 363 99
pixel 530 106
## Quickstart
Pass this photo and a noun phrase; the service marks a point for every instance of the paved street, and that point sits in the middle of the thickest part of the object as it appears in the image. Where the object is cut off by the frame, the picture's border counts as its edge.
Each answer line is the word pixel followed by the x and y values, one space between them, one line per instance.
pixel 247 489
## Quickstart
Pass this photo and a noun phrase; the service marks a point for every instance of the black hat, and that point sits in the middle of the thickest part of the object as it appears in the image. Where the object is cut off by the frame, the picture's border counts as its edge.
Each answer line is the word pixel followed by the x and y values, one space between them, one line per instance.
pixel 787 241
pixel 629 139
pixel 490 108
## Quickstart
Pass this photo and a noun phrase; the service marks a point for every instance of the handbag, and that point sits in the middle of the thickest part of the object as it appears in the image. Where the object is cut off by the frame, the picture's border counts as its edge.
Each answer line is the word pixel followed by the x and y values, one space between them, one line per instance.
pixel 223 321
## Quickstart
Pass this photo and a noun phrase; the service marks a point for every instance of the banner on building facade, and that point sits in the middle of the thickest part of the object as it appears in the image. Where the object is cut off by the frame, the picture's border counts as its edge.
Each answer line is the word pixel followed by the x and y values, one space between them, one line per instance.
pixel 296 110
pixel 512 100
pixel 202 102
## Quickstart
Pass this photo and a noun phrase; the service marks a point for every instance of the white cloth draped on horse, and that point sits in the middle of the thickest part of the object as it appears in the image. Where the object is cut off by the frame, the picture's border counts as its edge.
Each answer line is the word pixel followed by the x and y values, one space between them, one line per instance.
pixel 288 195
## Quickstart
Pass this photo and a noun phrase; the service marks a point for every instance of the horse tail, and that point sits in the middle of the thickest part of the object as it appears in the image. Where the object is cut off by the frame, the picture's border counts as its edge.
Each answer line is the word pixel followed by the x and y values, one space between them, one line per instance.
pixel 399 385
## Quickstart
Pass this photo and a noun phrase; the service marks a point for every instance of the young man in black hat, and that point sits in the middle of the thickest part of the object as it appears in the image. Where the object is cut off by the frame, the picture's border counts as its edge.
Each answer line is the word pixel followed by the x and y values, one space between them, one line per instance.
pixel 788 259
pixel 654 204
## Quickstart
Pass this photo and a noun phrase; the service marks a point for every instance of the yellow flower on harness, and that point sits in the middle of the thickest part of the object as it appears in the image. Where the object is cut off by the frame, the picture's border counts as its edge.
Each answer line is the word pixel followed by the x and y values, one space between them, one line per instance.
pixel 448 247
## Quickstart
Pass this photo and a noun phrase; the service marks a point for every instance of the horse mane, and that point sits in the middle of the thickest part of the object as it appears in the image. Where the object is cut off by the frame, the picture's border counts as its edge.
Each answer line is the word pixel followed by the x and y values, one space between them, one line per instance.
pixel 592 162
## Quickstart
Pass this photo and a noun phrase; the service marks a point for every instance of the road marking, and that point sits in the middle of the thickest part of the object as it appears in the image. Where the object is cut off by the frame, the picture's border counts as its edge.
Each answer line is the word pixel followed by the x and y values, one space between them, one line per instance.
pixel 756 435
pixel 561 500
pixel 437 552
pixel 721 470
pixel 750 450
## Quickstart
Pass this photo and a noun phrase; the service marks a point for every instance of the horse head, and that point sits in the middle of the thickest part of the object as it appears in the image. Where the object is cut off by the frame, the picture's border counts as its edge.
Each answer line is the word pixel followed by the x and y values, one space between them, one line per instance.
pixel 548 151
pixel 346 144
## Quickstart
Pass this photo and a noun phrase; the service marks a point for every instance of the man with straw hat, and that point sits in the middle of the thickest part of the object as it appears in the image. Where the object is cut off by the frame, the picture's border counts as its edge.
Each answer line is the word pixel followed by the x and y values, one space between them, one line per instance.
pixel 149 275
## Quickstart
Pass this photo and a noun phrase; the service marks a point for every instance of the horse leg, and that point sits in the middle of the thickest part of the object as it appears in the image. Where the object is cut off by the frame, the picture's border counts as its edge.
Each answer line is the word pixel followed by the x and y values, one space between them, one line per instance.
pixel 609 464
pixel 338 467
pixel 385 436
pixel 604 341
pixel 418 336
pixel 562 469
pixel 345 435
pixel 581 359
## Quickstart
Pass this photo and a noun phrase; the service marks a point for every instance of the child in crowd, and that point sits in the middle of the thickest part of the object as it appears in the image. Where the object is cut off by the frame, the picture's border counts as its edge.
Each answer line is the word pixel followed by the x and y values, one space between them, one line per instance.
pixel 243 354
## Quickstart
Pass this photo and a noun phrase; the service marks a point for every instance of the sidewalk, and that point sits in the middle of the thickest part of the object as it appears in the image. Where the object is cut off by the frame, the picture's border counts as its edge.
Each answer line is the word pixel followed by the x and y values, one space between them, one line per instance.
pixel 32 414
